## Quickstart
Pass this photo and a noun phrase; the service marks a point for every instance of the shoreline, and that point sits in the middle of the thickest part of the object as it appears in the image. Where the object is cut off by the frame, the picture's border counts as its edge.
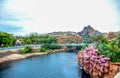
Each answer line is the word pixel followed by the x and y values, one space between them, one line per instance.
pixel 14 57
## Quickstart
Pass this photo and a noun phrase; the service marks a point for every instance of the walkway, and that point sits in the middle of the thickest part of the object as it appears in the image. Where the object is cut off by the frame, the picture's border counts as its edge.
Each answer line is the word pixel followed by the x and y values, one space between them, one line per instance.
pixel 18 47
pixel 117 76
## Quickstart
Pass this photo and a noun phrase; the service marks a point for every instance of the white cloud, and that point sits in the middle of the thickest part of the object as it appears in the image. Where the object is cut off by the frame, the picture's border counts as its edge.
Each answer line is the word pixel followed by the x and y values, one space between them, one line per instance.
pixel 64 15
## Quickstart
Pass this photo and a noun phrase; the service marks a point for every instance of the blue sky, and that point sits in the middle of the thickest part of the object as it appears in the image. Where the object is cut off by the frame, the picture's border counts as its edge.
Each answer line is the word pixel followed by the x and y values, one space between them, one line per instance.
pixel 43 16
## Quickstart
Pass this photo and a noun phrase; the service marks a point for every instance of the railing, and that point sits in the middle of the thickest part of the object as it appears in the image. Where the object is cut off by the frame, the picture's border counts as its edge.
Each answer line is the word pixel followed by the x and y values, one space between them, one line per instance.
pixel 39 45
pixel 20 47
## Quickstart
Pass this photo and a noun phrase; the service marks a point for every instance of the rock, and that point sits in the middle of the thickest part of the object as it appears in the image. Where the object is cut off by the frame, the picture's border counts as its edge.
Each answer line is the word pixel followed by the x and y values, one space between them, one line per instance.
pixel 111 35
pixel 88 30
pixel 80 56
pixel 113 70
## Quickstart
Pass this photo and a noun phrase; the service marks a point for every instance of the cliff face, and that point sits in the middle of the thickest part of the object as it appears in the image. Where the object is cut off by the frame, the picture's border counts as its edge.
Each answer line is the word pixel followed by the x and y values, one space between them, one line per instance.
pixel 66 37
pixel 89 31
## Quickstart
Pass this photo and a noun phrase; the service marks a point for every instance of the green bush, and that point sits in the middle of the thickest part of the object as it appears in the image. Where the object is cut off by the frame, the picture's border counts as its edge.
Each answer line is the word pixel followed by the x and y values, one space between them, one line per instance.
pixel 51 46
pixel 43 49
pixel 27 49
pixel 110 50
pixel 84 46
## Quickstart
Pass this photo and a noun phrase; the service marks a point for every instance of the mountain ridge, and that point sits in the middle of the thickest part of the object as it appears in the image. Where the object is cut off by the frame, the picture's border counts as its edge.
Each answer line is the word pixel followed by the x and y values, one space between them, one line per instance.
pixel 89 31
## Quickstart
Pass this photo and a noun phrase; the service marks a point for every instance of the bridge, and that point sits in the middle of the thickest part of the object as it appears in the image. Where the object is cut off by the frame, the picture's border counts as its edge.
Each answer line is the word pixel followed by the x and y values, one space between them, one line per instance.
pixel 68 45
pixel 72 44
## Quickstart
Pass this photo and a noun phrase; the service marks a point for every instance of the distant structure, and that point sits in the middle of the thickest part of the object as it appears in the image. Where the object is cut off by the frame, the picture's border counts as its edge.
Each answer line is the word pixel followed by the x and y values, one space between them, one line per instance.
pixel 87 33
pixel 18 42
pixel 111 36
pixel 87 39
pixel 2 45
pixel 105 34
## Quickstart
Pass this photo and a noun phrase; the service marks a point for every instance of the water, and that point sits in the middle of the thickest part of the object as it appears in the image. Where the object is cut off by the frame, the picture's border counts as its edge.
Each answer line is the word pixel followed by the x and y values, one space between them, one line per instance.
pixel 55 65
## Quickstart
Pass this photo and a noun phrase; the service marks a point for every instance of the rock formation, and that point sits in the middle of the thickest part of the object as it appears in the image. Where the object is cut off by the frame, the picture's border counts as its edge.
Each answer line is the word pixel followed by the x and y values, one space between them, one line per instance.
pixel 89 31
pixel 97 66
pixel 111 35
pixel 66 37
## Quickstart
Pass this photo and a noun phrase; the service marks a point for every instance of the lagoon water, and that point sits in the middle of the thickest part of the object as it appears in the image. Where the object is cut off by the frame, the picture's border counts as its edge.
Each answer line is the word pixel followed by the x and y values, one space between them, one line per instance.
pixel 54 65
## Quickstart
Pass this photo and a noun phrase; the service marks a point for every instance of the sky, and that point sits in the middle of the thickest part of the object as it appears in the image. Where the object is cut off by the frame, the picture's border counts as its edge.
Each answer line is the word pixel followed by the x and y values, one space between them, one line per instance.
pixel 44 16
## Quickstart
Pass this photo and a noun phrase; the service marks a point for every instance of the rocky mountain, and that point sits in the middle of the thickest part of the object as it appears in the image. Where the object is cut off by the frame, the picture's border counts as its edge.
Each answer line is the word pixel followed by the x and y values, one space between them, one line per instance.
pixel 59 33
pixel 89 31
pixel 66 37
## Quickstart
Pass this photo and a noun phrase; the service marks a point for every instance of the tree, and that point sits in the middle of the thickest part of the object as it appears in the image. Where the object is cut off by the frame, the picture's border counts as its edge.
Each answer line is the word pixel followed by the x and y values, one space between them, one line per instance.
pixel 7 39
pixel 118 40
pixel 28 41
pixel 111 49
pixel 99 39
pixel 27 49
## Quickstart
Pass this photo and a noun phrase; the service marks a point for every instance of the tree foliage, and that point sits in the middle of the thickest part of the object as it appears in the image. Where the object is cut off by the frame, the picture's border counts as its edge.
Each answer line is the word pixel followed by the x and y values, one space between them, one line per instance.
pixel 43 49
pixel 99 40
pixel 34 38
pixel 27 49
pixel 51 46
pixel 111 49
pixel 7 39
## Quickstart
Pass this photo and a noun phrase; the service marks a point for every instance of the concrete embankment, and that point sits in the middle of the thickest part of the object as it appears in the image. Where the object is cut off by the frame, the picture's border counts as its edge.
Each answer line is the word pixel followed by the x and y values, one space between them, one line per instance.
pixel 15 56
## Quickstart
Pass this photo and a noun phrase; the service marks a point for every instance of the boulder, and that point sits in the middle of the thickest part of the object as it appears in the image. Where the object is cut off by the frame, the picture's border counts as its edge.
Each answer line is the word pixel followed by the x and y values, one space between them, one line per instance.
pixel 113 70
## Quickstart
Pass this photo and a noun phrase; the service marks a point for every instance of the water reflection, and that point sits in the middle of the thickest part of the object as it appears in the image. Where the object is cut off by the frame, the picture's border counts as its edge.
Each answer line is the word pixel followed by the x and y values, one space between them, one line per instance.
pixel 82 73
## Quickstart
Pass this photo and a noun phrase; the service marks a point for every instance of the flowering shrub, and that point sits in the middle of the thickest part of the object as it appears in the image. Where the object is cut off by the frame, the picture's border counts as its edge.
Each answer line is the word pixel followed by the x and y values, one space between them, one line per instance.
pixel 93 63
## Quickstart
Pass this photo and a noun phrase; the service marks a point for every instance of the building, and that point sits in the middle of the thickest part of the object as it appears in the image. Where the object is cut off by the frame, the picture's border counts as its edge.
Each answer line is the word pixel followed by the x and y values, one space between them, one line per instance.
pixel 18 42
pixel 87 39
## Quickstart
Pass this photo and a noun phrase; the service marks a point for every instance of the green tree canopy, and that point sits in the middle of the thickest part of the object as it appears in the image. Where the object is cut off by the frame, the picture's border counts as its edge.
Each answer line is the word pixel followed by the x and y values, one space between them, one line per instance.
pixel 7 39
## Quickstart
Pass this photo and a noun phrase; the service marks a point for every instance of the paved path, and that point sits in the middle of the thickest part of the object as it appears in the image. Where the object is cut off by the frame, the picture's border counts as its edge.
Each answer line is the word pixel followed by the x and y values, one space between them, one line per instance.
pixel 18 47
pixel 117 76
